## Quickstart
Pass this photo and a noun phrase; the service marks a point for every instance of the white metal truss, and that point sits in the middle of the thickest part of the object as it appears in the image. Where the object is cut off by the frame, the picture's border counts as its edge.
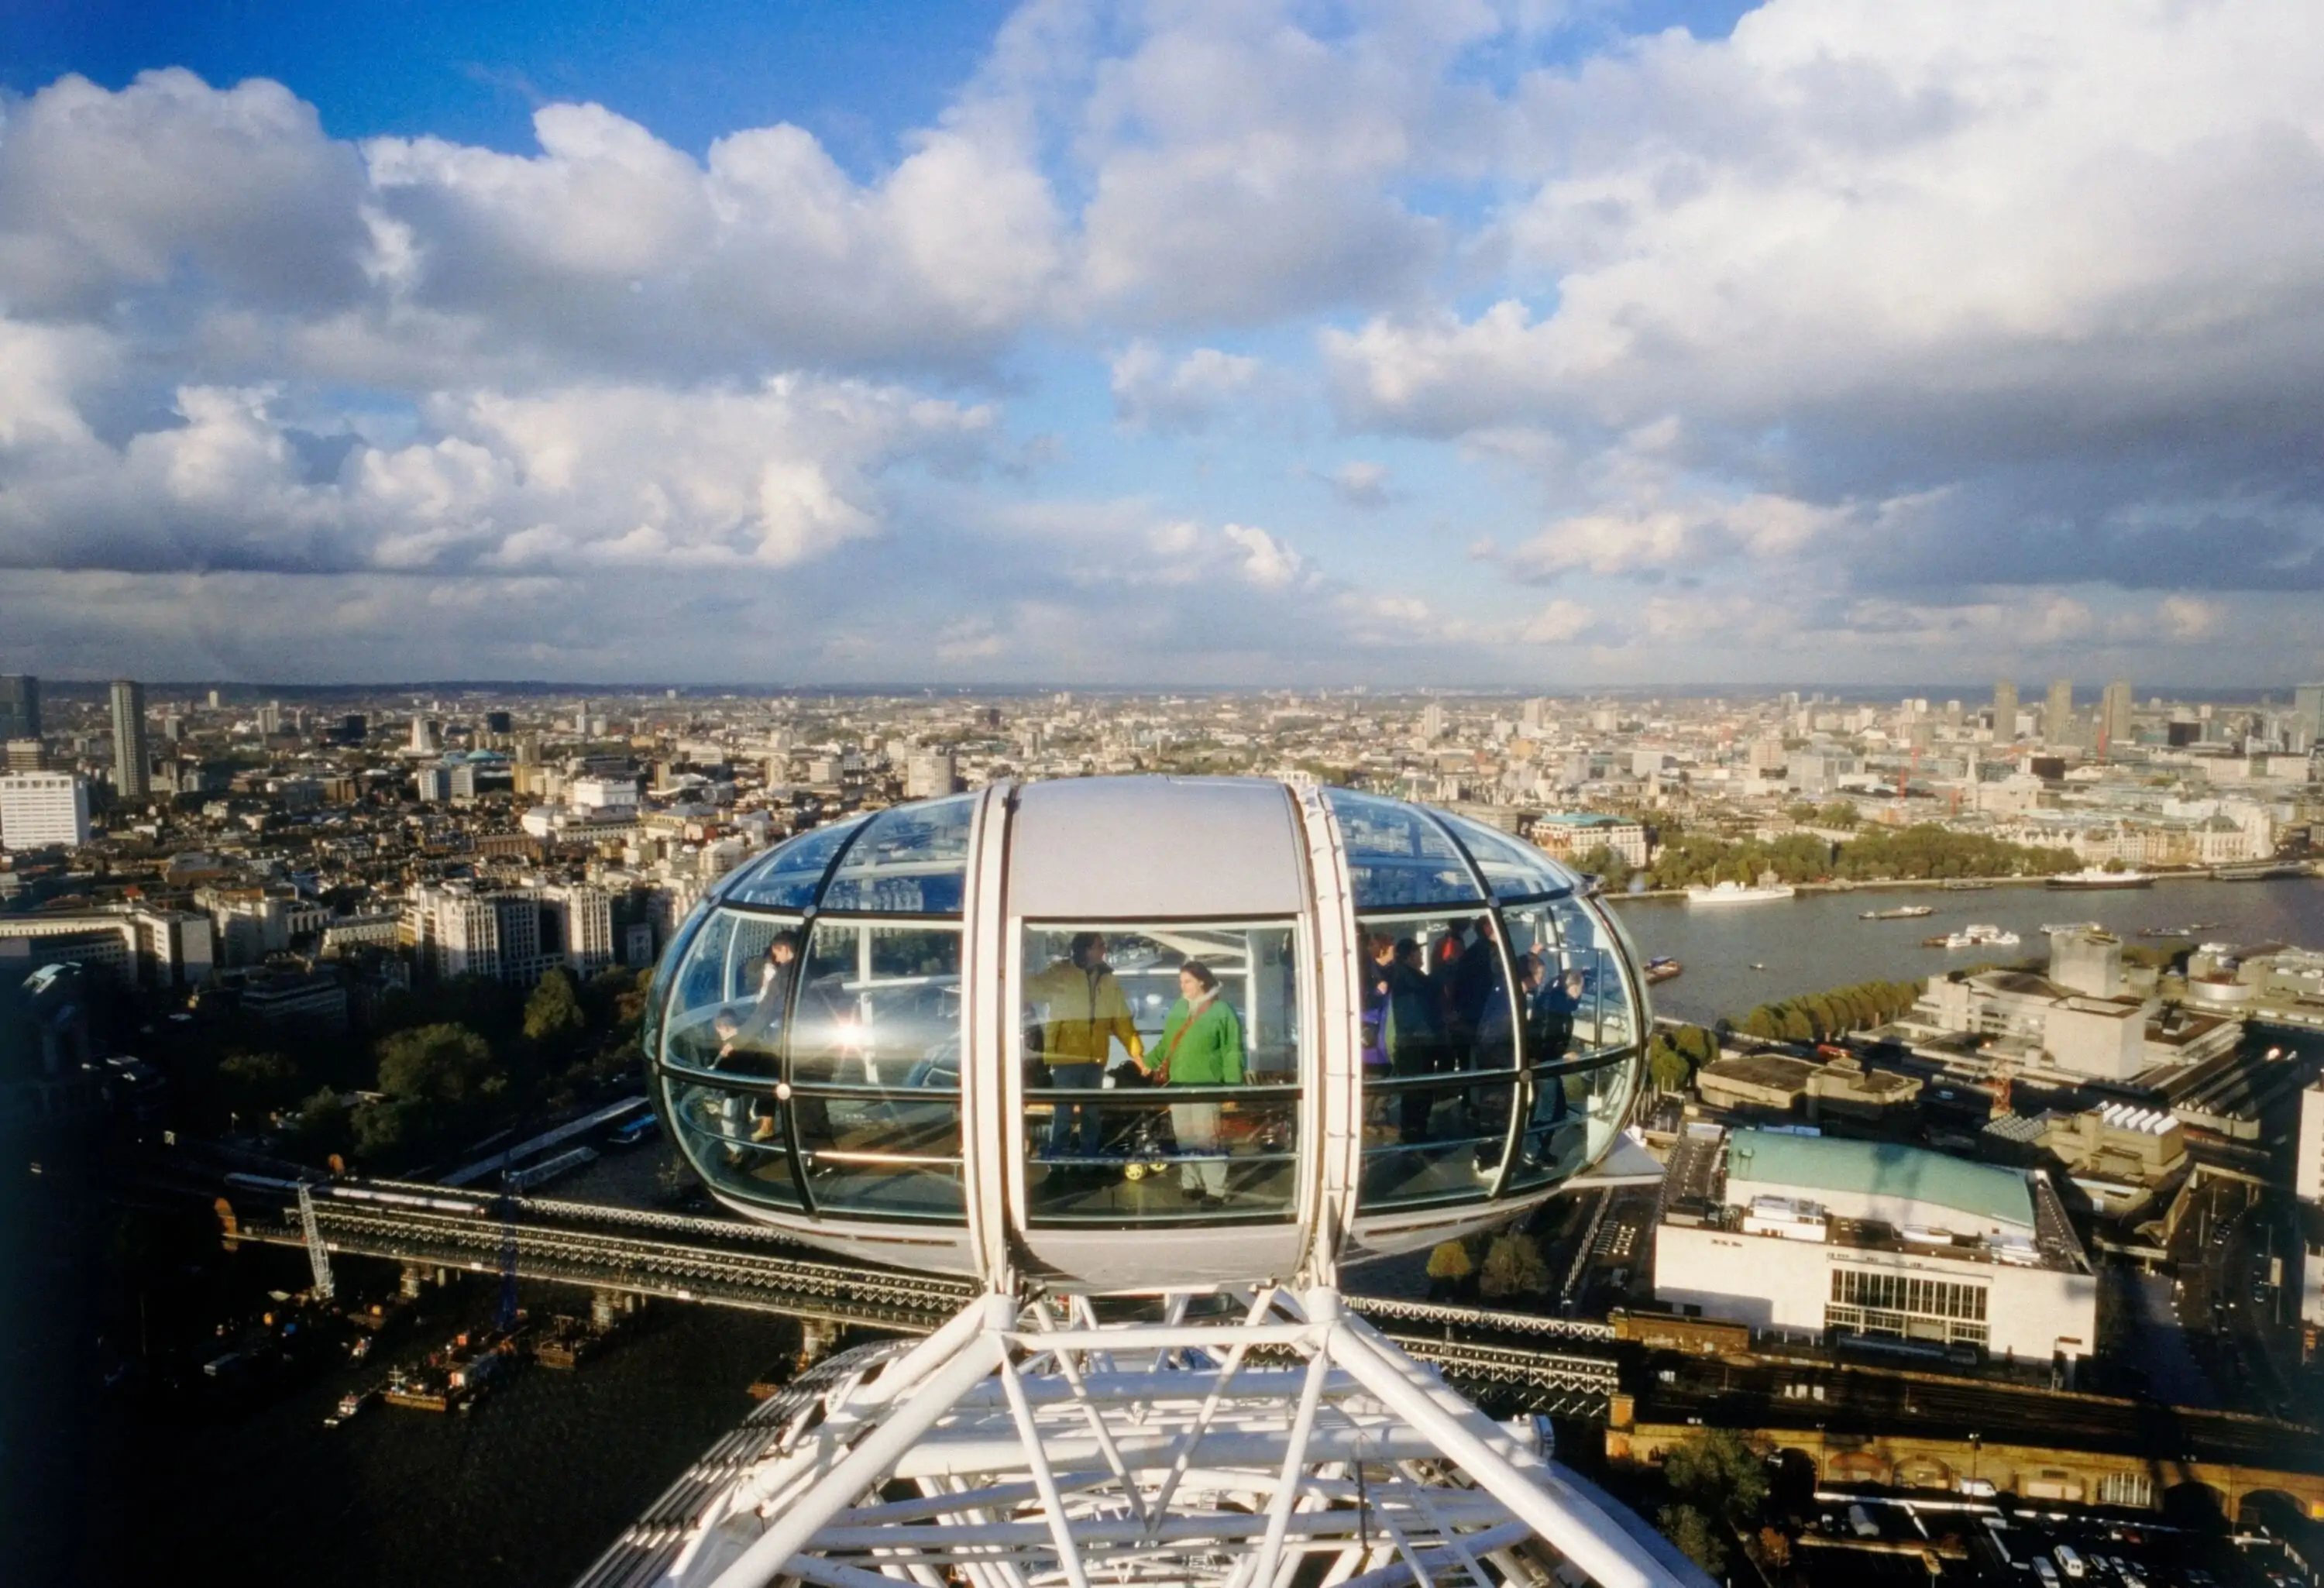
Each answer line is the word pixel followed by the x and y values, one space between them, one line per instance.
pixel 319 1256
pixel 1033 1447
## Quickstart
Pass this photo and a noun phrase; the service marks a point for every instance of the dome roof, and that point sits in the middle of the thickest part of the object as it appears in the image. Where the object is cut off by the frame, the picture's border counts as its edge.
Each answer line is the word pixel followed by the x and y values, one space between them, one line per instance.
pixel 1125 1033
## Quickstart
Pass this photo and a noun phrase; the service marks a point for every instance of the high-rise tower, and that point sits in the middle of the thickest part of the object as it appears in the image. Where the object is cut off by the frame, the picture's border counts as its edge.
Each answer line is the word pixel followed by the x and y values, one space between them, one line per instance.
pixel 19 706
pixel 2058 716
pixel 132 779
pixel 2113 714
pixel 2004 712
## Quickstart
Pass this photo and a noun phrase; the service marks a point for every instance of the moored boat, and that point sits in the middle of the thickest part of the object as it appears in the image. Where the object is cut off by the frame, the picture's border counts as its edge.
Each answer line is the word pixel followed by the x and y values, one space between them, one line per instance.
pixel 1732 892
pixel 2094 878
pixel 1902 912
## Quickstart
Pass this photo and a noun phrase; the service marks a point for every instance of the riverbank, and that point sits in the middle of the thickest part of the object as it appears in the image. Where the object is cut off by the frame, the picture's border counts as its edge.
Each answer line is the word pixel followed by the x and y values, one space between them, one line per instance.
pixel 1967 884
pixel 1739 958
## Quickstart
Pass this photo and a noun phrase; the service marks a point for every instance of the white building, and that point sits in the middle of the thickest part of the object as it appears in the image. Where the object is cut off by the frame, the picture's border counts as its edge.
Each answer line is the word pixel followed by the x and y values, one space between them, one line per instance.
pixel 39 810
pixel 928 773
pixel 603 793
pixel 1818 1235
pixel 582 920
pixel 140 947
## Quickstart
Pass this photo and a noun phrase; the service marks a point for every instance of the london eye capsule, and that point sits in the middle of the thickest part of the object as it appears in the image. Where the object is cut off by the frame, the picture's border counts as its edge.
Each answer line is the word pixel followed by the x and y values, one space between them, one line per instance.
pixel 1145 1033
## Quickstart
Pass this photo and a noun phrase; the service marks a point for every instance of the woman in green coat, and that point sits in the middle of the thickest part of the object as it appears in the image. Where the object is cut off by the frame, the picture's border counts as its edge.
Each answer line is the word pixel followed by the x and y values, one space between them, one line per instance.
pixel 1200 1045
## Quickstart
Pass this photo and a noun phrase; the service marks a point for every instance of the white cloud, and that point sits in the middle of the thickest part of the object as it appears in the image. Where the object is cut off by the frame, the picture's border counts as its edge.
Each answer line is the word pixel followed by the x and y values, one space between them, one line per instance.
pixel 1152 393
pixel 1361 483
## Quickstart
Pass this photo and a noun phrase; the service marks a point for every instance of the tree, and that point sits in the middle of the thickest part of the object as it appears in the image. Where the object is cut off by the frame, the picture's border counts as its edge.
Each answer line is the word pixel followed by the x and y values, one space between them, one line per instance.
pixel 1667 1067
pixel 1840 813
pixel 552 1015
pixel 259 1080
pixel 381 1129
pixel 445 1064
pixel 323 1124
pixel 1449 1264
pixel 1604 862
pixel 1513 1266
pixel 1695 1534
pixel 1717 1472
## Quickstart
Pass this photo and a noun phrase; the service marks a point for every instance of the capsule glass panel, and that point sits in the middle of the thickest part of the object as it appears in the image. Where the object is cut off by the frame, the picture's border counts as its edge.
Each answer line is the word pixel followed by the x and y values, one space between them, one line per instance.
pixel 874 1069
pixel 912 860
pixel 788 877
pixel 736 1140
pixel 730 995
pixel 1397 854
pixel 1512 868
pixel 1144 1104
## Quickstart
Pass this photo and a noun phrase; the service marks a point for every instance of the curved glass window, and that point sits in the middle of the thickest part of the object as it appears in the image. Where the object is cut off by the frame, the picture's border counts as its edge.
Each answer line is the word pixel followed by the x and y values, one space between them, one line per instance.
pixel 1397 854
pixel 736 1139
pixel 1574 1116
pixel 912 860
pixel 874 1069
pixel 1513 868
pixel 788 877
pixel 1435 1003
pixel 1144 1103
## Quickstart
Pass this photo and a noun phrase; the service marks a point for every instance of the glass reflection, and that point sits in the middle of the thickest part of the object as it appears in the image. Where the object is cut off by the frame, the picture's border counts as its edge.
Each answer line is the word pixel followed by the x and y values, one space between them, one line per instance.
pixel 1160 1068
pixel 735 1139
pixel 1513 868
pixel 912 860
pixel 1397 854
pixel 875 1069
pixel 788 877
pixel 1433 1143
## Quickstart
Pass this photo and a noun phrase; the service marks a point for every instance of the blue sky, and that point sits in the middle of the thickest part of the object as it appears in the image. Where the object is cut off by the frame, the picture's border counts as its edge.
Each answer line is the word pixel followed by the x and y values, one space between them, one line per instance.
pixel 1537 342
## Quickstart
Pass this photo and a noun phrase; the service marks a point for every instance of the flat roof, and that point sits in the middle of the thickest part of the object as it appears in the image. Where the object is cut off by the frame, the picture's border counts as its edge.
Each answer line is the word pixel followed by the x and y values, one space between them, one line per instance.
pixel 1884 1168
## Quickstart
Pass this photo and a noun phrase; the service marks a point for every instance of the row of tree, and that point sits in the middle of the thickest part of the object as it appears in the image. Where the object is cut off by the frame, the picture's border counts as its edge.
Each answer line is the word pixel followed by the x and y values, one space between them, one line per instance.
pixel 1927 853
pixel 1673 1056
pixel 1822 1015
pixel 459 1059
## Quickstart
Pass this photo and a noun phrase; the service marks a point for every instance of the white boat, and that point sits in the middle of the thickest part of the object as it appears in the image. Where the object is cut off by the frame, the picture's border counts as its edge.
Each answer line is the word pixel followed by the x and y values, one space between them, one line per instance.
pixel 1737 893
pixel 1978 936
pixel 2095 877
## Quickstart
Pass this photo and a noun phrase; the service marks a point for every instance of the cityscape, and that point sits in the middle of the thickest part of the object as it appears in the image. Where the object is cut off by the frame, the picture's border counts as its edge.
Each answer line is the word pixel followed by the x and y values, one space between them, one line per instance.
pixel 1887 1218
pixel 1162 794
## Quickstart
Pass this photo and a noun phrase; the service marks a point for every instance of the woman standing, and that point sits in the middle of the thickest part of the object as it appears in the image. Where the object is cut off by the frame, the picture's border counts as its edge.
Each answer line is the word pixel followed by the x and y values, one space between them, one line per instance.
pixel 1200 1045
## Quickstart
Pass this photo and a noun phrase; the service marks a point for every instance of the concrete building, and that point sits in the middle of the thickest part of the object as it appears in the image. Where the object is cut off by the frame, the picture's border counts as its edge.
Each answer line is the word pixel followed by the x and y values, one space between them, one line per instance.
pixel 603 792
pixel 424 739
pixel 1812 1233
pixel 138 947
pixel 315 999
pixel 2307 715
pixel 19 706
pixel 579 921
pixel 2057 714
pixel 2004 712
pixel 1571 834
pixel 24 755
pixel 2114 723
pixel 132 764
pixel 2308 1158
pixel 929 774
pixel 1778 1084
pixel 40 810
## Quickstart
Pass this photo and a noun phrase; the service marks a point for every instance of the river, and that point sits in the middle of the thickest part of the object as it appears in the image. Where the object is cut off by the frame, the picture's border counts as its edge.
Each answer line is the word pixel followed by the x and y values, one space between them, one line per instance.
pixel 1739 956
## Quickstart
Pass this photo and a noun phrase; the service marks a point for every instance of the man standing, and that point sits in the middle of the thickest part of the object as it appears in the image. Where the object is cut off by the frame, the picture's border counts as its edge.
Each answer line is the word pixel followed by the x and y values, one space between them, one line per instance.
pixel 1082 1012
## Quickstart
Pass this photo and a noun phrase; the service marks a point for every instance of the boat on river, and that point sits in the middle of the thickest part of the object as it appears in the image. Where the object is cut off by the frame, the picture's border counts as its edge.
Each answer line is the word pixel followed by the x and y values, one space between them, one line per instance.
pixel 1662 968
pixel 1732 892
pixel 1982 935
pixel 2095 878
pixel 1902 912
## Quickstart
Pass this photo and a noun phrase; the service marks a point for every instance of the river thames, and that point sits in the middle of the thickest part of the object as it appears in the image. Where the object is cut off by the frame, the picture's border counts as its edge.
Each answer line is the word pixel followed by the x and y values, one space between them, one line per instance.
pixel 1739 956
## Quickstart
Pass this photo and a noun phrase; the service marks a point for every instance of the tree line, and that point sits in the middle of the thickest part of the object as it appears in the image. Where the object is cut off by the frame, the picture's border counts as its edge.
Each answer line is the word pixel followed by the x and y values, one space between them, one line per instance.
pixel 1819 1016
pixel 1926 853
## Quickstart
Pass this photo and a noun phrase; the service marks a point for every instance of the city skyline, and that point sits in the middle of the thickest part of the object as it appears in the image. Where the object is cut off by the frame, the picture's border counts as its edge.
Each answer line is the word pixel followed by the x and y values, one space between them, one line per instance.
pixel 1659 346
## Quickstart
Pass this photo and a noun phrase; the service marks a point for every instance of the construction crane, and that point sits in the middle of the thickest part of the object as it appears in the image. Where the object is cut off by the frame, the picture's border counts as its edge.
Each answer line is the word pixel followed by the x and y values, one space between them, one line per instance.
pixel 319 1256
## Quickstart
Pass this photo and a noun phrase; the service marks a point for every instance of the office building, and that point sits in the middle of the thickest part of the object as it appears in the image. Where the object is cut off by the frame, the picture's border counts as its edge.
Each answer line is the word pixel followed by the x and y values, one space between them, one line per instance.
pixel 19 706
pixel 138 947
pixel 2114 715
pixel 603 792
pixel 2058 714
pixel 132 779
pixel 499 724
pixel 1817 1234
pixel 25 755
pixel 2308 716
pixel 928 773
pixel 424 739
pixel 2004 712
pixel 1570 834
pixel 269 717
pixel 42 811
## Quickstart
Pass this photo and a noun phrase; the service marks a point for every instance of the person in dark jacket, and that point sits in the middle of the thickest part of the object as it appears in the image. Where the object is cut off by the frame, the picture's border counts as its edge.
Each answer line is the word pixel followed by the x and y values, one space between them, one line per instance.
pixel 1415 1035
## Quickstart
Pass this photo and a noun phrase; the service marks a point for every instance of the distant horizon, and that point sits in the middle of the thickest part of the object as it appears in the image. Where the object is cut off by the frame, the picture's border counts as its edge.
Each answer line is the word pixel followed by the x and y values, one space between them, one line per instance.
pixel 2029 691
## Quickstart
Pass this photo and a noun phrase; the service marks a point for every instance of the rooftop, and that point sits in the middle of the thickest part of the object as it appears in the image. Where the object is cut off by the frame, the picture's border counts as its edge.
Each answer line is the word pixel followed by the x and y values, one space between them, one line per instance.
pixel 1826 1163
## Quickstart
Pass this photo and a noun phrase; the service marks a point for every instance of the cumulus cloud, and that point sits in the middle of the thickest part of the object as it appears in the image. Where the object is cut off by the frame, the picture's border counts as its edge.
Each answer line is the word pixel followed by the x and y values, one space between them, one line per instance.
pixel 582 477
pixel 1153 393
pixel 2053 273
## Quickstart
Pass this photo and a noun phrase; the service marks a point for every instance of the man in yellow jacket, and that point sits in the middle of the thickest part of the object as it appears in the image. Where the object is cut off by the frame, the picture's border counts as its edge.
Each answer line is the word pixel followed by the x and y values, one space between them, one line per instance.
pixel 1082 1013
